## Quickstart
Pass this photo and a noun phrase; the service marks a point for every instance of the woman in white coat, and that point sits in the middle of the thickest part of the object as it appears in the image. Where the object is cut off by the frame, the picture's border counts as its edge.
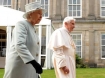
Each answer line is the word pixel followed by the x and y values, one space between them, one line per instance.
pixel 21 60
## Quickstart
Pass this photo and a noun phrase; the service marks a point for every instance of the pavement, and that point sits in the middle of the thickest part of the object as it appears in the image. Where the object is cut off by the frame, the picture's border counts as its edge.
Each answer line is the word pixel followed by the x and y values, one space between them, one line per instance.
pixel 2 62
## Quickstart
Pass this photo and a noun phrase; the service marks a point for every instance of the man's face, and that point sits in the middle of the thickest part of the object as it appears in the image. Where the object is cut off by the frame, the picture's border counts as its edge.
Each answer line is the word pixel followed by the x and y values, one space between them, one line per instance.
pixel 36 16
pixel 70 25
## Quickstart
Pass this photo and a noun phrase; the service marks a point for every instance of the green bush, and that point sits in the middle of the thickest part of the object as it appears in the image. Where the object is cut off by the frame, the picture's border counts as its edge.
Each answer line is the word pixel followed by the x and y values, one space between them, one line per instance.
pixel 79 63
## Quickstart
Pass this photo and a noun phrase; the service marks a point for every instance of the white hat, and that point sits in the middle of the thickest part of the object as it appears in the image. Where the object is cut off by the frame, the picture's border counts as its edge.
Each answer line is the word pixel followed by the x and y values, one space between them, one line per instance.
pixel 32 7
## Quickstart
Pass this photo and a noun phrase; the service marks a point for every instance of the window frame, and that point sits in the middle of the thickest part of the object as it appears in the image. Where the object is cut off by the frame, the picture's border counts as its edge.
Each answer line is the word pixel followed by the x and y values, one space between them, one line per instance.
pixel 7 4
pixel 76 10
pixel 44 8
pixel 2 40
pixel 101 44
pixel 77 39
pixel 101 9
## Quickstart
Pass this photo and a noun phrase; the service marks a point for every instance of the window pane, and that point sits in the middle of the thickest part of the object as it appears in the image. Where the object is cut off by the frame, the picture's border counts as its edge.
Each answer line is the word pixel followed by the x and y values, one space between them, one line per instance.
pixel 3 36
pixel 74 7
pixel 70 1
pixel 0 36
pixel 103 36
pixel 43 61
pixel 103 8
pixel 103 13
pixel 74 13
pixel 103 2
pixel 103 48
pixel 46 7
pixel 78 7
pixel 5 2
pixel 103 54
pixel 78 48
pixel 78 36
pixel 3 44
pixel 46 1
pixel 103 42
pixel 42 1
pixel 74 1
pixel 9 2
pixel 78 1
pixel 78 13
pixel 70 13
pixel 79 54
pixel 74 36
pixel 70 7
pixel 78 42
pixel 43 50
pixel 0 49
pixel 0 2
pixel 46 14
pixel 42 6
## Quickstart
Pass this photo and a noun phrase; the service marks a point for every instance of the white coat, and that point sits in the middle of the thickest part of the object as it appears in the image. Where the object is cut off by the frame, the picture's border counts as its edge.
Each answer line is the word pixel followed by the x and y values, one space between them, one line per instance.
pixel 24 48
pixel 63 48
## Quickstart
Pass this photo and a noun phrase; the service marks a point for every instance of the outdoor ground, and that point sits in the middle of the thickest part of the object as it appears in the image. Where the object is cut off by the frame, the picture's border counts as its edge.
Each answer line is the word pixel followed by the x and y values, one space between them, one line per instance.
pixel 80 73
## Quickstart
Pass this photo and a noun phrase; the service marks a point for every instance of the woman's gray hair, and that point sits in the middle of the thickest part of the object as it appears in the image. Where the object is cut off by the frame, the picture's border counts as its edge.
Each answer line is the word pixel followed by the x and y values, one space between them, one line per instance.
pixel 67 19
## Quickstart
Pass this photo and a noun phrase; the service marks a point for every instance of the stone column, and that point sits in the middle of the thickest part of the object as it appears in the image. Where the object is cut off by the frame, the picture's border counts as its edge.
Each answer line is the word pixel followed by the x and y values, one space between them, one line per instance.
pixel 91 14
pixel 91 48
pixel 58 10
pixel 22 5
pixel 64 8
pixel 51 10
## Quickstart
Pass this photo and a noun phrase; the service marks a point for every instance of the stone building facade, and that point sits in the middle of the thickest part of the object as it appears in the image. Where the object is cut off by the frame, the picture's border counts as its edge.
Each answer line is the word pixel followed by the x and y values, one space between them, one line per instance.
pixel 89 32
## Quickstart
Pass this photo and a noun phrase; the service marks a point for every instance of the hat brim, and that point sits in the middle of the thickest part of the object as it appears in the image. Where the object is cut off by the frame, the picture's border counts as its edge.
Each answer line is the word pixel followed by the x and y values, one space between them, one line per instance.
pixel 24 15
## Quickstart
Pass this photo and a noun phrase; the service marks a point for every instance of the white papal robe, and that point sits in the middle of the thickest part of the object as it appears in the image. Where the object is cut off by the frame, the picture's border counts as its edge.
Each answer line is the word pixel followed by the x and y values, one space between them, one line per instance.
pixel 63 48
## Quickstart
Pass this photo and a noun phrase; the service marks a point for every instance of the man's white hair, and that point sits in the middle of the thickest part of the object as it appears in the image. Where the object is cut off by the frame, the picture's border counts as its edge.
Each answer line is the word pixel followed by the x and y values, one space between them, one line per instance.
pixel 67 19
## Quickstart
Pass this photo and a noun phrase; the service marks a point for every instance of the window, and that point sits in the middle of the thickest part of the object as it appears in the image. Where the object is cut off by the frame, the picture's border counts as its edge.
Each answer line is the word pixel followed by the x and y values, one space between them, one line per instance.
pixel 6 3
pixel 45 5
pixel 75 8
pixel 103 46
pixel 2 44
pixel 102 8
pixel 78 42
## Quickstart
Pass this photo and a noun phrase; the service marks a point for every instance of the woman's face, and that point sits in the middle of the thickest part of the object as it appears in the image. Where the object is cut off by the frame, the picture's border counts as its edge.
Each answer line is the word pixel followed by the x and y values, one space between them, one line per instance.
pixel 36 16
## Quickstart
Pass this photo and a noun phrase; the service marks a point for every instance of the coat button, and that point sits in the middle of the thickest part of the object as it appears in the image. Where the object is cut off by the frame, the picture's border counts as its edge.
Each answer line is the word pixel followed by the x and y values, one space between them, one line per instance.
pixel 36 54
pixel 38 43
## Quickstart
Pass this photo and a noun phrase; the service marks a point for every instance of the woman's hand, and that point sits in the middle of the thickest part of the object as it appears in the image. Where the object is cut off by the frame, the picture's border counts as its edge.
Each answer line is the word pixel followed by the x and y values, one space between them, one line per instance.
pixel 37 66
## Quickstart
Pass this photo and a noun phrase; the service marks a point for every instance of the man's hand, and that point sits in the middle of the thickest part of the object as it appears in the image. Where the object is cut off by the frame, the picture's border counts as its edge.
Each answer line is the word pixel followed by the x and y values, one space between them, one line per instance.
pixel 65 70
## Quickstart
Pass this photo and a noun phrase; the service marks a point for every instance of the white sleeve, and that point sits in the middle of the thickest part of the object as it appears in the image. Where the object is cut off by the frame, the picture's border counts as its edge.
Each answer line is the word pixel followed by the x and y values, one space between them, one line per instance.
pixel 60 57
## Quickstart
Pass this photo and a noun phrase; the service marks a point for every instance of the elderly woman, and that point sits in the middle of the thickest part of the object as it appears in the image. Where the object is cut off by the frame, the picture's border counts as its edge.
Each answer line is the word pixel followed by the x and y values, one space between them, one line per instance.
pixel 24 49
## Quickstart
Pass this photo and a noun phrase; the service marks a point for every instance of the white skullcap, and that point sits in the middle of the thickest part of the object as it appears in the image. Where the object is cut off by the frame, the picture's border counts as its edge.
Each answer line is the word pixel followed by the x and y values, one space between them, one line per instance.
pixel 67 19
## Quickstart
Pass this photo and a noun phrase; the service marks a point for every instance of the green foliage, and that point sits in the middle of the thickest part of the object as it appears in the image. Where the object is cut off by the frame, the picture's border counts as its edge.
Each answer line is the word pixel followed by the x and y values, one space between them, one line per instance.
pixel 79 63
